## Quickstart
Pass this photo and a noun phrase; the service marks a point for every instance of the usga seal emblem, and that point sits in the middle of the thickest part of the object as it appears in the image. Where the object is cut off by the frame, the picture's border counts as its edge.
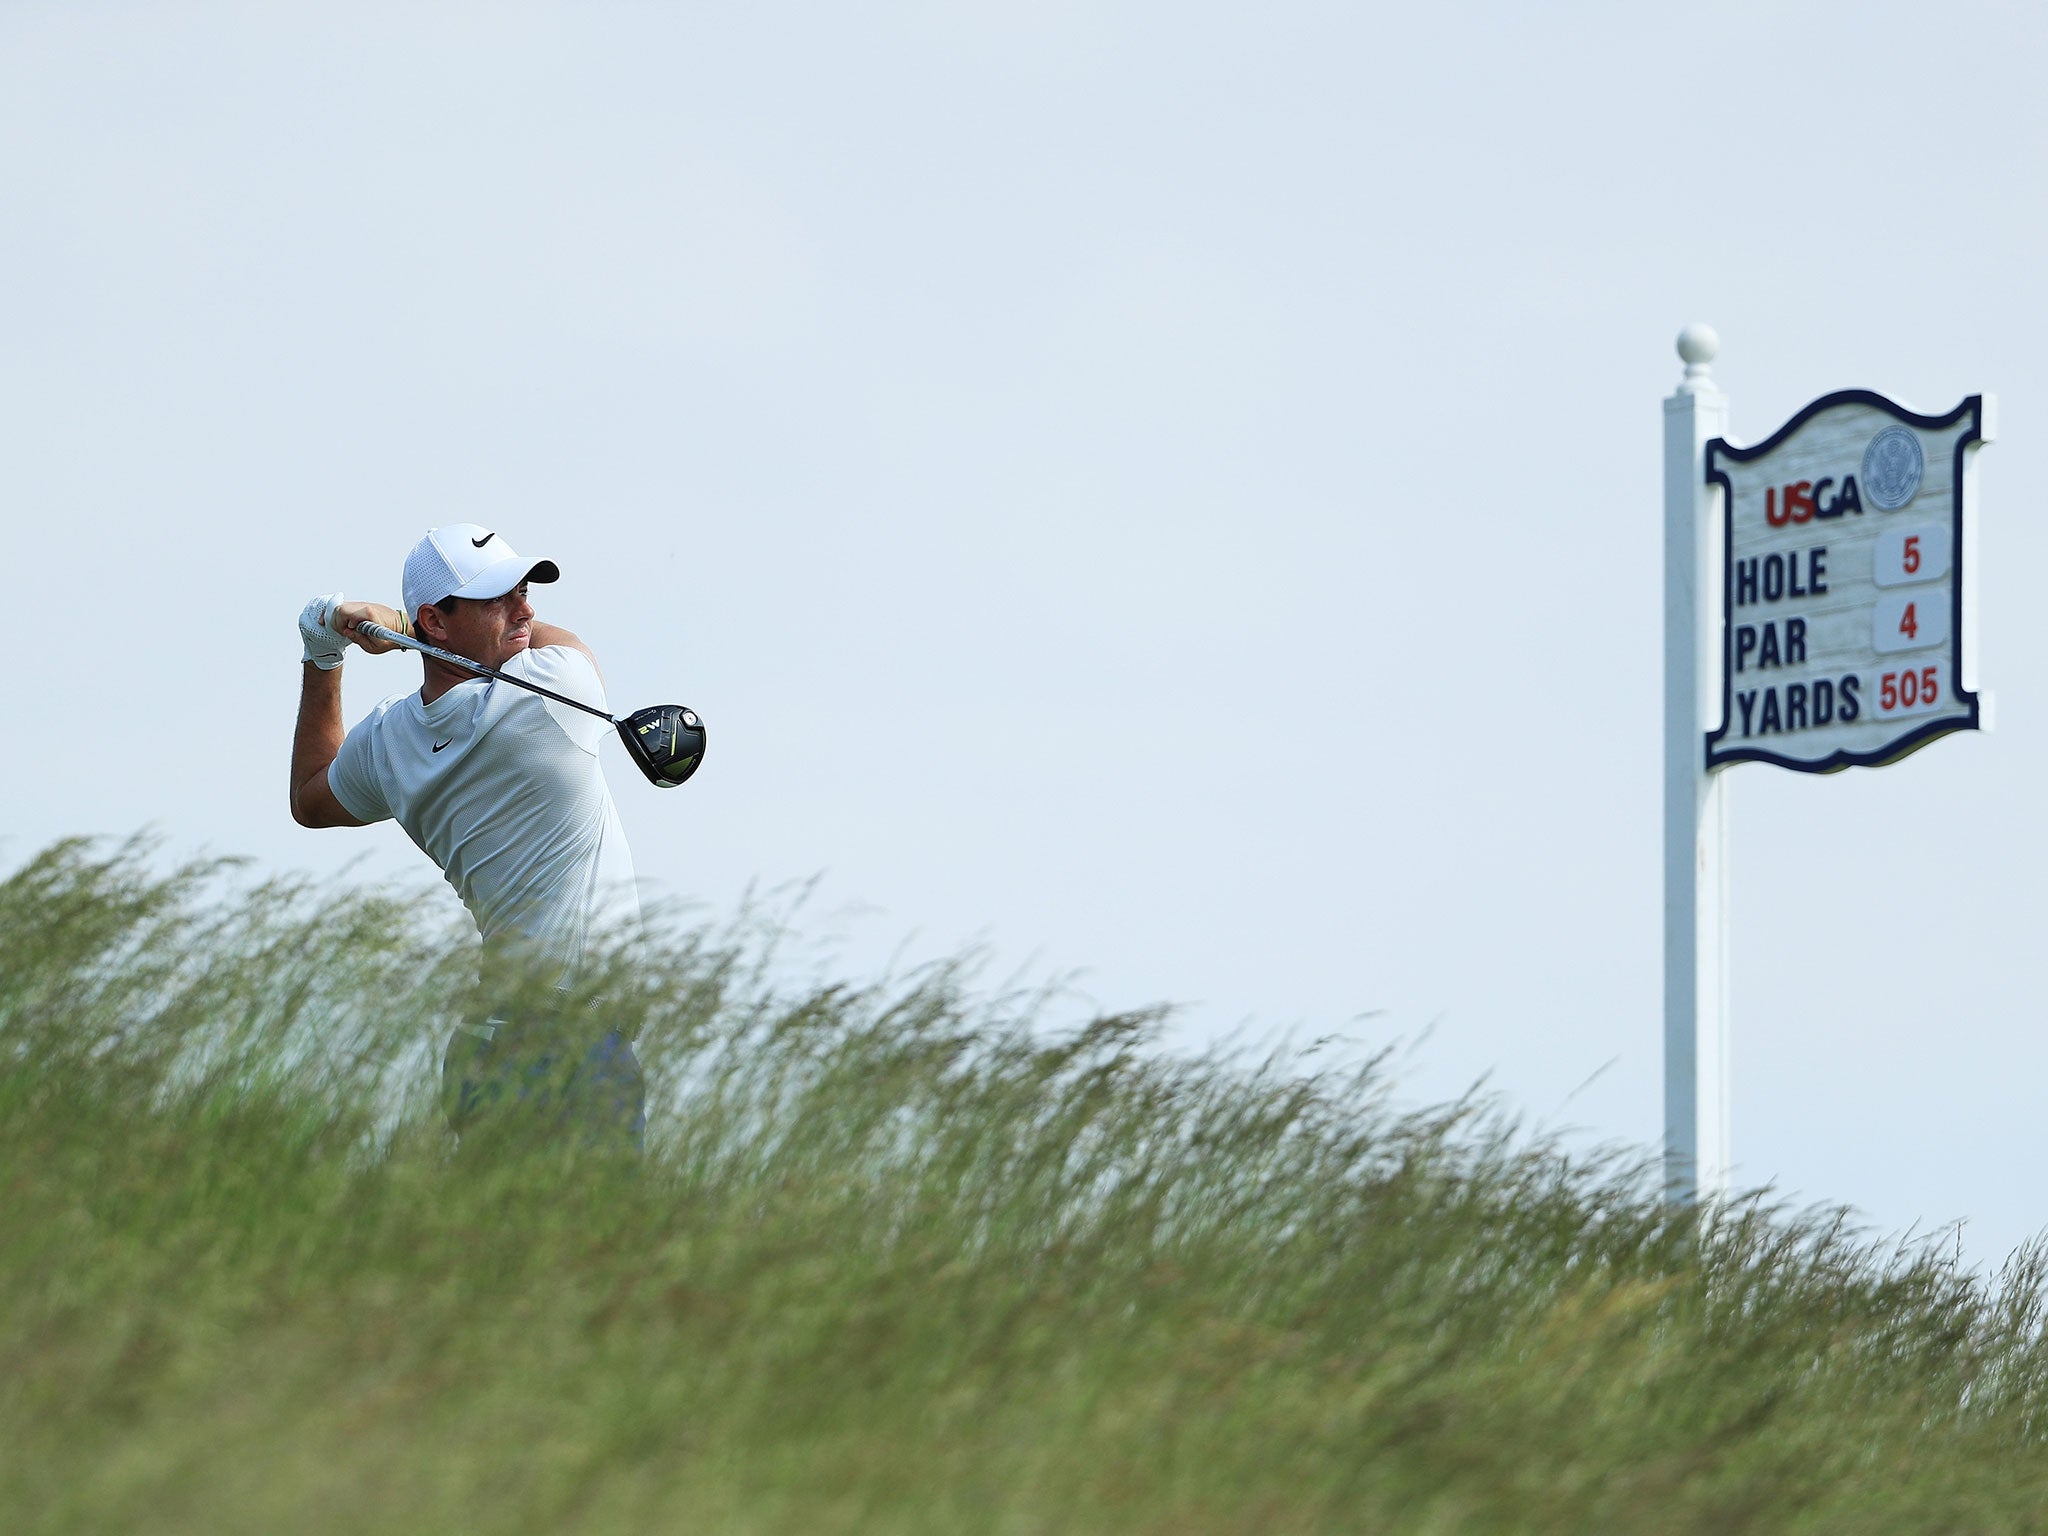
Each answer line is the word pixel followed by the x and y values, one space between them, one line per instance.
pixel 1892 465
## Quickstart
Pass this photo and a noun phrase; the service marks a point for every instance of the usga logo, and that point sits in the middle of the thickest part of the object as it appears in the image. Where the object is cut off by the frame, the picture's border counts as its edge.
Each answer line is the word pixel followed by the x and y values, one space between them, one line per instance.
pixel 1804 500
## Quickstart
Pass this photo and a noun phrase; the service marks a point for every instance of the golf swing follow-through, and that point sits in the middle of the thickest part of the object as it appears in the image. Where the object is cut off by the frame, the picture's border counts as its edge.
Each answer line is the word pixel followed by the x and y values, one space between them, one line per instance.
pixel 665 741
pixel 492 769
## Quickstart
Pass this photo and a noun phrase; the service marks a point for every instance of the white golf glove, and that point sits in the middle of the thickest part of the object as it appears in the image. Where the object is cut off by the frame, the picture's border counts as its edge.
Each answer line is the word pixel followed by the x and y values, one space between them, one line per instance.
pixel 323 645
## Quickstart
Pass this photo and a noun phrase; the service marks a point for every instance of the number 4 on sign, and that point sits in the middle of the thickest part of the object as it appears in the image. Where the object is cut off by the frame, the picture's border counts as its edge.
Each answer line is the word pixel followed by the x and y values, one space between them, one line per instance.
pixel 1898 624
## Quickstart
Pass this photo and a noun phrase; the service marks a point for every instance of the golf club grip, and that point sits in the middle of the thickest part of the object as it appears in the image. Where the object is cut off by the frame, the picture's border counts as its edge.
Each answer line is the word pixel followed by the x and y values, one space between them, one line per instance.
pixel 378 632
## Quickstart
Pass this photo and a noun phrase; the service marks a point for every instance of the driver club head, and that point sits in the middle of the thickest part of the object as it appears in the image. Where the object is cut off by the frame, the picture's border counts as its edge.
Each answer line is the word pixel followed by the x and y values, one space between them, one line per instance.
pixel 666 741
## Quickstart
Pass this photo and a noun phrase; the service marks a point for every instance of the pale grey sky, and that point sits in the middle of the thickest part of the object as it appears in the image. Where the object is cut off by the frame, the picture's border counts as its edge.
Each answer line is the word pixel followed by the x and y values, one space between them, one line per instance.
pixel 1171 489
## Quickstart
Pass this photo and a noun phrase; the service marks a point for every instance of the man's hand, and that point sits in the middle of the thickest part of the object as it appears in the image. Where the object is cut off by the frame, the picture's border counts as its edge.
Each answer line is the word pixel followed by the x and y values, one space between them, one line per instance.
pixel 324 643
pixel 348 617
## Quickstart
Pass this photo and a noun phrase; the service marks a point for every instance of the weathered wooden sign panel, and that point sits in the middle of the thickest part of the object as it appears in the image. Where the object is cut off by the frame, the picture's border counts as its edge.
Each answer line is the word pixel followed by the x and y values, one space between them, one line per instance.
pixel 1848 610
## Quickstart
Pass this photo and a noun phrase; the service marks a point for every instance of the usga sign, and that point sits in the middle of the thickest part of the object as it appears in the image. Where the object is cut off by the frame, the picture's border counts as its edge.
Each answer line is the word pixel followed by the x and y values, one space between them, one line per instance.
pixel 1819 613
pixel 1848 591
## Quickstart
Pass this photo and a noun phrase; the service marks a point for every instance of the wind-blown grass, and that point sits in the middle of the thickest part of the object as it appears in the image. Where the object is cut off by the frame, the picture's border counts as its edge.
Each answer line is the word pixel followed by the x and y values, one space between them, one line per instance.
pixel 898 1260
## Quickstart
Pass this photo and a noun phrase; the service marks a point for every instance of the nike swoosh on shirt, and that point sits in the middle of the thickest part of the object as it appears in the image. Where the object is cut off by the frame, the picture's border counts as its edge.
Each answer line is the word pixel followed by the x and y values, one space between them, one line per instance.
pixel 440 744
pixel 480 543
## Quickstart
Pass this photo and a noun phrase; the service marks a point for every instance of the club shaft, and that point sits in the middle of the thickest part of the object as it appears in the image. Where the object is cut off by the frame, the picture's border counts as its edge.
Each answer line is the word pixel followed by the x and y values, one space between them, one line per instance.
pixel 379 632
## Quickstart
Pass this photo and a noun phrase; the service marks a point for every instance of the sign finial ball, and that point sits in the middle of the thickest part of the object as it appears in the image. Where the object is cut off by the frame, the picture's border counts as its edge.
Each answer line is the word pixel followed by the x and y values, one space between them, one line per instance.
pixel 1697 345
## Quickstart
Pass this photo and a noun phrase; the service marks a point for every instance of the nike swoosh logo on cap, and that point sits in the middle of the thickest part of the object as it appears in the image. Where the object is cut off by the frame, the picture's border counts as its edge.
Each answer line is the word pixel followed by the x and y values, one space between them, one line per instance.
pixel 480 543
pixel 440 744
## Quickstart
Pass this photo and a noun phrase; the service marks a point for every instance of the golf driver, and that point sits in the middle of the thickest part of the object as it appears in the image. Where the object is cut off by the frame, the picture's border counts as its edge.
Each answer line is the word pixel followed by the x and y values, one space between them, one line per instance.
pixel 666 741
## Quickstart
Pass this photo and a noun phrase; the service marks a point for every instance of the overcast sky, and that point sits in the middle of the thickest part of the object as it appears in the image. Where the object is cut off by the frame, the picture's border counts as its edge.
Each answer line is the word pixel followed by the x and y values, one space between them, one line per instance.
pixel 1170 490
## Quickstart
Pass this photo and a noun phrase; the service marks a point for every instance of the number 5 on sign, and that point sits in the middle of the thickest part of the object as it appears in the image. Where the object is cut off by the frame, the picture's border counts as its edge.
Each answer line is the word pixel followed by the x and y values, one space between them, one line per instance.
pixel 1909 621
pixel 1907 555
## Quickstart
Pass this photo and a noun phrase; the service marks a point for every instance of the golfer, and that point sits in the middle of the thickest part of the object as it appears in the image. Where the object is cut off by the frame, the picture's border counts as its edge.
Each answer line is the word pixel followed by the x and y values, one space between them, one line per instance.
pixel 502 789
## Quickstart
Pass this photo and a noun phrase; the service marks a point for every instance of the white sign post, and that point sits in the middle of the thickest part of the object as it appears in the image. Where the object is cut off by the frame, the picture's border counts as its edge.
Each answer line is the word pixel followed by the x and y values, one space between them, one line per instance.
pixel 1695 801
pixel 1820 614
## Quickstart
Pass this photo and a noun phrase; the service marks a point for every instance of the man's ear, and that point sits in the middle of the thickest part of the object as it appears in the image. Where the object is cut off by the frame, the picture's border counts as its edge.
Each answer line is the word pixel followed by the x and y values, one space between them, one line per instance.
pixel 430 626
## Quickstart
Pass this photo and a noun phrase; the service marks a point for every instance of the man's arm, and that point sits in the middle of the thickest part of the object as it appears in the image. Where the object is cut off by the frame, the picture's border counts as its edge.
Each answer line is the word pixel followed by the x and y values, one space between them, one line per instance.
pixel 314 743
pixel 348 616
pixel 554 634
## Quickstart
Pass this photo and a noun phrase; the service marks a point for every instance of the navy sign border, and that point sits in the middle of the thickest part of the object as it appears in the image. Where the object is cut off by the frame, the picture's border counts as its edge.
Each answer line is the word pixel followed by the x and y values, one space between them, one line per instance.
pixel 1918 736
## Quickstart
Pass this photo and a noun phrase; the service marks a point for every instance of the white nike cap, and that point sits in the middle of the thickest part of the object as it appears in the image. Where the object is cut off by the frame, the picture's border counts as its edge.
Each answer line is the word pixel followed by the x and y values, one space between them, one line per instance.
pixel 463 560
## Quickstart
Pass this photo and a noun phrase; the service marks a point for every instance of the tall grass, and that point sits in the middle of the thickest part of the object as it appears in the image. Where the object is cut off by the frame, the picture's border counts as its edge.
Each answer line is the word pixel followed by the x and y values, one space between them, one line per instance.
pixel 898 1260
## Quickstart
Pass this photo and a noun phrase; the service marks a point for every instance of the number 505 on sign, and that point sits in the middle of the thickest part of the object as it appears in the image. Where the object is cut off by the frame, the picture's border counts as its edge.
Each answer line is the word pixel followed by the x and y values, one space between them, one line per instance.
pixel 1912 691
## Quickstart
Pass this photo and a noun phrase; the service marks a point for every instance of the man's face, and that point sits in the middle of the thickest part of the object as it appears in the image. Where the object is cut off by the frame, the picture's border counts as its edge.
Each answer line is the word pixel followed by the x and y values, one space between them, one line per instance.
pixel 490 630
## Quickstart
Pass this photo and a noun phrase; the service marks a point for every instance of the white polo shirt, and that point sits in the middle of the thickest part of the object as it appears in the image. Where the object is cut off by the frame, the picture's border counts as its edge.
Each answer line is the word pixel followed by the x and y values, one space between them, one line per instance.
pixel 503 790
